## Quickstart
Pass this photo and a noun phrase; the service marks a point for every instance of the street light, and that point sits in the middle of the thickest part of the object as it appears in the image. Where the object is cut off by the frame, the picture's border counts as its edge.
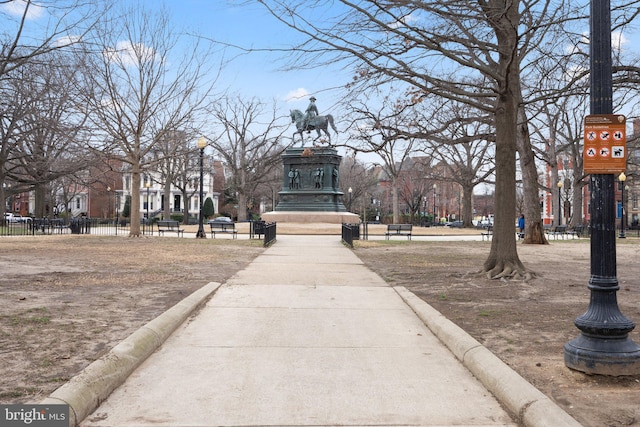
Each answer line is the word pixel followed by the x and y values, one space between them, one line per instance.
pixel 603 346
pixel 108 202
pixel 434 203
pixel 350 190
pixel 424 211
pixel 559 202
pixel 202 143
pixel 622 178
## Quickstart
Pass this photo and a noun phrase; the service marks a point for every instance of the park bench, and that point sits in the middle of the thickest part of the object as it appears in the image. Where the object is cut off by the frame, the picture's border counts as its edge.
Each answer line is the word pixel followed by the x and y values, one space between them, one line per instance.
pixel 256 229
pixel 223 227
pixel 558 231
pixel 399 230
pixel 168 225
pixel 487 233
pixel 576 231
pixel 59 226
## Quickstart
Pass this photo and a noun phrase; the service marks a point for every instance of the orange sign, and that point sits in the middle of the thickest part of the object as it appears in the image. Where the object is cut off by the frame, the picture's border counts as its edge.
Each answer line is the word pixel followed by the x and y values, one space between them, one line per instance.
pixel 605 144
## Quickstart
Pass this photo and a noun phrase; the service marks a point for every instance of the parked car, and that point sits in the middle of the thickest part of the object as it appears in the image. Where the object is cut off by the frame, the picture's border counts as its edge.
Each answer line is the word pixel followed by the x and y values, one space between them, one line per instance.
pixel 224 219
pixel 20 218
pixel 455 224
pixel 15 218
pixel 485 223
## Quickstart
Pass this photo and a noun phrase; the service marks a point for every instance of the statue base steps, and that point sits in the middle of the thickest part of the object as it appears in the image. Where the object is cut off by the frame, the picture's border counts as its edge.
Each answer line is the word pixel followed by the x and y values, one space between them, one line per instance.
pixel 311 217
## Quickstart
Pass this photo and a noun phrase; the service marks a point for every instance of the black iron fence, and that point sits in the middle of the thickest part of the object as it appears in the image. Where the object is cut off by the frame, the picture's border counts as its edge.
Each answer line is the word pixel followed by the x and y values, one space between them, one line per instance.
pixel 269 233
pixel 43 226
pixel 256 229
pixel 350 232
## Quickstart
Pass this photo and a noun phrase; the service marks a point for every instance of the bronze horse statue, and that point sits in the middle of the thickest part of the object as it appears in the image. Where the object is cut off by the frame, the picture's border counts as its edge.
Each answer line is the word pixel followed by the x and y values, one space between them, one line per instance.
pixel 317 123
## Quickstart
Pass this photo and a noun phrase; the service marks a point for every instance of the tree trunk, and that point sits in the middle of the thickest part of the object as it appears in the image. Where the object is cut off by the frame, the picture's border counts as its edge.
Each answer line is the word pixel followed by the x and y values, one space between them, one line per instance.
pixel 503 258
pixel 39 209
pixel 242 207
pixel 394 200
pixel 166 208
pixel 533 229
pixel 467 206
pixel 576 199
pixel 135 202
pixel 186 204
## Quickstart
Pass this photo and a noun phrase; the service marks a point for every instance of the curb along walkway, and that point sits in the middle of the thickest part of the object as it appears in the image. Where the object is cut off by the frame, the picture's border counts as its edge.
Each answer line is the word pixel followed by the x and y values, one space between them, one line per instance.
pixel 307 335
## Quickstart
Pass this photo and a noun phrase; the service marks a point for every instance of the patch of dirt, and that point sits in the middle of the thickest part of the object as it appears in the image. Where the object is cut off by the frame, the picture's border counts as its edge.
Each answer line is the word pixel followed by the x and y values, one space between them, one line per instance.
pixel 67 300
pixel 526 324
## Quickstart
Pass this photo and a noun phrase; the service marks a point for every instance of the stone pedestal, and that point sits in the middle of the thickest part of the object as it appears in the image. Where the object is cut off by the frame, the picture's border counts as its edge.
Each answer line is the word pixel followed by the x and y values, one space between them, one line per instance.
pixel 311 217
pixel 311 181
pixel 311 188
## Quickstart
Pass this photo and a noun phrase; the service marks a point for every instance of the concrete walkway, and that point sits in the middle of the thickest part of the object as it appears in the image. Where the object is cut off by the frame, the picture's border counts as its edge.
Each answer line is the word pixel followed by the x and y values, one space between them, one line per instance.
pixel 307 335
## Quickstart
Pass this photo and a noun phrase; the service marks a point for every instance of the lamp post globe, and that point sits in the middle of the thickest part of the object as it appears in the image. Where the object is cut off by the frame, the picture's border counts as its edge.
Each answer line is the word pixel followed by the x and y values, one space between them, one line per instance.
pixel 202 143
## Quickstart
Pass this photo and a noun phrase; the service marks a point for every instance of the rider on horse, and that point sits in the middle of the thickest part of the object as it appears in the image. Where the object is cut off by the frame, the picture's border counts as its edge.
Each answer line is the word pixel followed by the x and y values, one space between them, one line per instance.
pixel 310 113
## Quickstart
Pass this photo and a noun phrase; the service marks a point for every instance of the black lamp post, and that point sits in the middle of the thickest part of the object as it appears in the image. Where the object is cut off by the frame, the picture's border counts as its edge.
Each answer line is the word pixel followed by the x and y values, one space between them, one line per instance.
pixel 622 178
pixel 350 190
pixel 434 204
pixel 108 204
pixel 559 202
pixel 202 143
pixel 603 346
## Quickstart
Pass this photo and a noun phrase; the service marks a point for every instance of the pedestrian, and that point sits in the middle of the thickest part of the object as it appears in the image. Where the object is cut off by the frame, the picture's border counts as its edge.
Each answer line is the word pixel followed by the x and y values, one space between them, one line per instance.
pixel 521 224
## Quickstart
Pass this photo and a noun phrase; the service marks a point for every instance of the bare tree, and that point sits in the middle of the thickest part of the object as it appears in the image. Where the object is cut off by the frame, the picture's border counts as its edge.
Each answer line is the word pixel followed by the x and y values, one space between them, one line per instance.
pixel 249 140
pixel 377 131
pixel 443 48
pixel 68 21
pixel 49 144
pixel 29 31
pixel 140 88
pixel 459 140
pixel 177 161
pixel 360 179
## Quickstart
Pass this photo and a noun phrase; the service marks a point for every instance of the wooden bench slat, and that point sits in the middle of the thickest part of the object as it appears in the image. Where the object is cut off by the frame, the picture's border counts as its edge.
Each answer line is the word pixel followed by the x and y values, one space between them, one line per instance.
pixel 223 227
pixel 399 230
pixel 173 226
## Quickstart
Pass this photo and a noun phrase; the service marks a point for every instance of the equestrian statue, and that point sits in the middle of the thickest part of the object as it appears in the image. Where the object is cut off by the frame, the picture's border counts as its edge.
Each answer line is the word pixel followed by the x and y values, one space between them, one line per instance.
pixel 311 121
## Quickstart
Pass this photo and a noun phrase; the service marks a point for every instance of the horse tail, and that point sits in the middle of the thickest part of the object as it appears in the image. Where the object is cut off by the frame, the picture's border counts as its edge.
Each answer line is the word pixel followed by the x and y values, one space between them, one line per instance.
pixel 330 119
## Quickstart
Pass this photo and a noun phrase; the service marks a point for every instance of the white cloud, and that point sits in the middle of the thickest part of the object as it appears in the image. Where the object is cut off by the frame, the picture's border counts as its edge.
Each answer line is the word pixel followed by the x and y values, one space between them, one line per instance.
pixel 405 20
pixel 618 40
pixel 130 54
pixel 67 40
pixel 17 8
pixel 296 95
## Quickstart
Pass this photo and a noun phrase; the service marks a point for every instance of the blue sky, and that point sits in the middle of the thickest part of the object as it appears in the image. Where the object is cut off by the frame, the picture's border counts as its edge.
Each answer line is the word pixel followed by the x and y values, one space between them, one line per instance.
pixel 259 73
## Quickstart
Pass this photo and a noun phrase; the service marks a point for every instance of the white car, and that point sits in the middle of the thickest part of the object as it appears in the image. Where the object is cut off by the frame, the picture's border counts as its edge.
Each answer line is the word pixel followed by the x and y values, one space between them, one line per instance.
pixel 15 218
